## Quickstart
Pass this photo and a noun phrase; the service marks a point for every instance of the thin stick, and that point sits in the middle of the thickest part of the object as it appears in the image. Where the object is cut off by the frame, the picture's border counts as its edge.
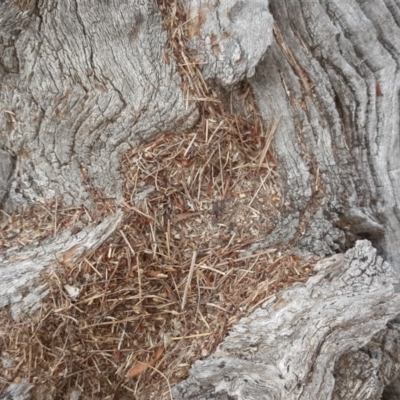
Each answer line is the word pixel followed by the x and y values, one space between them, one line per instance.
pixel 166 379
pixel 139 278
pixel 127 242
pixel 137 263
pixel 192 336
pixel 259 188
pixel 189 279
pixel 168 237
pixel 138 211
pixel 248 270
pixel 94 268
pixel 190 145
pixel 268 141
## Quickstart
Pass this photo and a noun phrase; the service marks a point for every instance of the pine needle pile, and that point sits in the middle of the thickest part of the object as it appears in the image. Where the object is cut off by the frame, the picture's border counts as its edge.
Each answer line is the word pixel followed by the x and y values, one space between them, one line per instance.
pixel 165 289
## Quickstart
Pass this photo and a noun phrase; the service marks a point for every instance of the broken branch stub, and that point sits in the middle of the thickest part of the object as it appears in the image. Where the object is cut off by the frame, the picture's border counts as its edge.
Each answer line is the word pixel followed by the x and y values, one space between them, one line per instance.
pixel 21 286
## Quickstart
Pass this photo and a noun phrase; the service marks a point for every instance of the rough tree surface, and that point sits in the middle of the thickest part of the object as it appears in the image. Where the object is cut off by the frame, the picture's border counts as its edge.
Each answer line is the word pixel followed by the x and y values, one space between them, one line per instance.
pixel 77 90
pixel 17 391
pixel 288 347
pixel 20 286
pixel 331 78
pixel 231 36
pixel 83 81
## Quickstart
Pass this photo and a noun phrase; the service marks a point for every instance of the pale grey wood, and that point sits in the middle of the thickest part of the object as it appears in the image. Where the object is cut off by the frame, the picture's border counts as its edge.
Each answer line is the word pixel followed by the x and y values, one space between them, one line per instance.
pixel 288 348
pixel 330 75
pixel 17 391
pixel 373 366
pixel 81 82
pixel 6 168
pixel 20 285
pixel 230 36
pixel 333 80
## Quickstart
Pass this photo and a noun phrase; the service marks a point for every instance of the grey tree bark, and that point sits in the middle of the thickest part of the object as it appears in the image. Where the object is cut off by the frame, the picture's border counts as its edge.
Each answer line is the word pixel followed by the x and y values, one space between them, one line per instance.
pixel 334 72
pixel 83 81
pixel 330 75
pixel 322 339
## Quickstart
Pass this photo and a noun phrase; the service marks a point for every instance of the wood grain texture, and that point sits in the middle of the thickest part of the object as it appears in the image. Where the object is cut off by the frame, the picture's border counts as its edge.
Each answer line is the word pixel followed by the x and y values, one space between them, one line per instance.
pixel 81 82
pixel 85 81
pixel 21 284
pixel 289 347
pixel 329 74
pixel 230 37
pixel 337 142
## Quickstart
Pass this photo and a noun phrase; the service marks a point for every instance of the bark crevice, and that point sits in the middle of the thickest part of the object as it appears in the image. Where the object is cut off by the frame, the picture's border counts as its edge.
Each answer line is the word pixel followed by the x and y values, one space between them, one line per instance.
pixel 299 344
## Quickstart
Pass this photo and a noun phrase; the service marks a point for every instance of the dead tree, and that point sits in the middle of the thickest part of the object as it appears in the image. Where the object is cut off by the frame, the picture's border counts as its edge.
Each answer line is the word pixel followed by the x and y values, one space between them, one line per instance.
pixel 83 81
pixel 322 339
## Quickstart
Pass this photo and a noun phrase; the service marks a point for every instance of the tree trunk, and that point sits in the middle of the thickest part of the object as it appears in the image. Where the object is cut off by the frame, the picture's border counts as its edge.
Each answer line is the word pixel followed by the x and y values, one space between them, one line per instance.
pixel 332 74
pixel 331 78
pixel 318 340
pixel 84 81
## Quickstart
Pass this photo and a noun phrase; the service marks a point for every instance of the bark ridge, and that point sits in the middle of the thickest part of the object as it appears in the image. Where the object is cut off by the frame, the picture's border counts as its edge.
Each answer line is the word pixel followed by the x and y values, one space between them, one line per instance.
pixel 289 347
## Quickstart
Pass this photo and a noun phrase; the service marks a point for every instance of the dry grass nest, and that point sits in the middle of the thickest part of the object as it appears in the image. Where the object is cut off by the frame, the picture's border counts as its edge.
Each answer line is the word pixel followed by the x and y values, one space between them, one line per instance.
pixel 166 287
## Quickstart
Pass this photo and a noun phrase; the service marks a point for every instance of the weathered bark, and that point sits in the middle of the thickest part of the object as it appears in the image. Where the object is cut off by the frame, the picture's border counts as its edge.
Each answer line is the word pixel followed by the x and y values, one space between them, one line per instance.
pixel 288 348
pixel 83 81
pixel 17 391
pixel 230 36
pixel 20 286
pixel 363 372
pixel 23 391
pixel 331 78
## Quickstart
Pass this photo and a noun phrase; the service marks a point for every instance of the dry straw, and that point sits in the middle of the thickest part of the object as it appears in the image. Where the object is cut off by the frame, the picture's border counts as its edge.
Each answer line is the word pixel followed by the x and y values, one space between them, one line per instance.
pixel 166 288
